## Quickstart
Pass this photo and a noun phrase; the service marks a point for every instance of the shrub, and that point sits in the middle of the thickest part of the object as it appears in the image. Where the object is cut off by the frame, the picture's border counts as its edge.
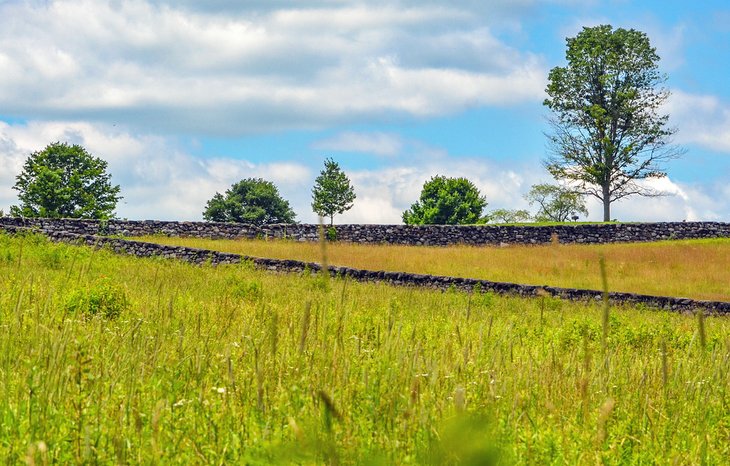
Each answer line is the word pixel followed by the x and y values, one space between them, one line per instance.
pixel 104 298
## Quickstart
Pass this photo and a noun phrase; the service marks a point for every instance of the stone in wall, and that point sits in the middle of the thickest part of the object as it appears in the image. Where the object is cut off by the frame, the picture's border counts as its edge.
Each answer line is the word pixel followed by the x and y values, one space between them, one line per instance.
pixel 435 235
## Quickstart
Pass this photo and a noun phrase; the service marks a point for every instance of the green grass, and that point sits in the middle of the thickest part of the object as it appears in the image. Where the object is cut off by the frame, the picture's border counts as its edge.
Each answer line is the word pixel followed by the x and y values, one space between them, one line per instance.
pixel 112 359
pixel 698 269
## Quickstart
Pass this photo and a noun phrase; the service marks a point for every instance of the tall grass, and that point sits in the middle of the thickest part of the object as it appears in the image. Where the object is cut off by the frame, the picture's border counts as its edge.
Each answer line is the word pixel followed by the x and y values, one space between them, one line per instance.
pixel 231 365
pixel 698 269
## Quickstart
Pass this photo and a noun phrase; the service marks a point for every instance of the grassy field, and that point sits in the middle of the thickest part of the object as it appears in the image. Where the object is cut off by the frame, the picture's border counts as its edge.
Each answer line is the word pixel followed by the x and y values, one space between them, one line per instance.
pixel 698 269
pixel 112 359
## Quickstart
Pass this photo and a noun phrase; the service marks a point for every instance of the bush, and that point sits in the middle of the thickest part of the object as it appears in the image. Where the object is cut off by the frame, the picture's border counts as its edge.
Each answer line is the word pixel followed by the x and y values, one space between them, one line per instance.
pixel 104 298
pixel 253 200
pixel 446 201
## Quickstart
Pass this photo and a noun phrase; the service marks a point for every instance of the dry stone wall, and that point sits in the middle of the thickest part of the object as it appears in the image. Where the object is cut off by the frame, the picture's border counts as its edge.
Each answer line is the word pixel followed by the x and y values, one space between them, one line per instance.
pixel 199 256
pixel 439 235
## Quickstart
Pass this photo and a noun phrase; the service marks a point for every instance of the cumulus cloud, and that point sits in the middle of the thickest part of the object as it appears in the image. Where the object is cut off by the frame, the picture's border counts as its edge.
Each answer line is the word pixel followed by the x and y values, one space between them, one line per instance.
pixel 159 180
pixel 682 202
pixel 227 70
pixel 383 194
pixel 703 120
pixel 377 143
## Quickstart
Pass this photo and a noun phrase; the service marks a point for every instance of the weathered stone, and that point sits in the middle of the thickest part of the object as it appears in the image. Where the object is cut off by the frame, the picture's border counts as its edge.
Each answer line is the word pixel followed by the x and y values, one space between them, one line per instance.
pixel 390 234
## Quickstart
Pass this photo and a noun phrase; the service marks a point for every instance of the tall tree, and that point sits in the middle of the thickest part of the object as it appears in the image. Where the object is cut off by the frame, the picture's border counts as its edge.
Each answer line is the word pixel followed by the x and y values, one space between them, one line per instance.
pixel 252 200
pixel 446 201
pixel 608 131
pixel 65 181
pixel 555 203
pixel 332 192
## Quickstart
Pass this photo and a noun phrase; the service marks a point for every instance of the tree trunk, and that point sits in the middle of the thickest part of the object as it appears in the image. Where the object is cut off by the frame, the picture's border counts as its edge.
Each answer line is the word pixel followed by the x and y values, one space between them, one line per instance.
pixel 332 219
pixel 606 203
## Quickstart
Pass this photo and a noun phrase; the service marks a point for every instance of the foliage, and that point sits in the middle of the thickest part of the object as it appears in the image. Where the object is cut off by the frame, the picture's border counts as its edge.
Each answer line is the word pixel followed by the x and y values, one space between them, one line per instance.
pixel 608 130
pixel 252 200
pixel 295 373
pixel 103 298
pixel 332 192
pixel 64 181
pixel 446 201
pixel 556 203
pixel 507 216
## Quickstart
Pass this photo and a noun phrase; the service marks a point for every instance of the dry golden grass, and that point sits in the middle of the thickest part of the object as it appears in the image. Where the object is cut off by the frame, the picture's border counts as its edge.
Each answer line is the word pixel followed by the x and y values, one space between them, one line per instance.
pixel 698 269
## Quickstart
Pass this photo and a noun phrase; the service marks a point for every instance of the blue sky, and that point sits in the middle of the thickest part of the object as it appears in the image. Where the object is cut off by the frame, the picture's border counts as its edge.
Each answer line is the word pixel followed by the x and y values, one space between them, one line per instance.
pixel 183 100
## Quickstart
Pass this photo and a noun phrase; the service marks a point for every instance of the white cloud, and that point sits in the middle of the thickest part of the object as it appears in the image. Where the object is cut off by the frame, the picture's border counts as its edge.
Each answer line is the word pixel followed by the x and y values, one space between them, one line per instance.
pixel 161 180
pixel 682 202
pixel 702 119
pixel 158 179
pixel 378 143
pixel 231 70
pixel 383 194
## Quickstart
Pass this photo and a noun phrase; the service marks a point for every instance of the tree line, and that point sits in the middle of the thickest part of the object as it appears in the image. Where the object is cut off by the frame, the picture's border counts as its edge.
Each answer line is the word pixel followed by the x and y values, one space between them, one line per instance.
pixel 66 181
pixel 607 135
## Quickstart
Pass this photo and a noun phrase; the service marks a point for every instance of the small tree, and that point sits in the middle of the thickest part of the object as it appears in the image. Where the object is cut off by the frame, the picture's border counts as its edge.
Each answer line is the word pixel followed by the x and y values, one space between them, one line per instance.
pixel 64 181
pixel 332 192
pixel 556 204
pixel 508 216
pixel 608 127
pixel 251 200
pixel 446 201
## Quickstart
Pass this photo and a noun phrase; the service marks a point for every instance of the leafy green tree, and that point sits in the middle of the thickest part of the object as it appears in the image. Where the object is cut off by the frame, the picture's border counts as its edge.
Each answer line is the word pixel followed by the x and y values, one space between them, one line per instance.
pixel 64 181
pixel 446 201
pixel 556 204
pixel 608 129
pixel 508 216
pixel 332 192
pixel 252 200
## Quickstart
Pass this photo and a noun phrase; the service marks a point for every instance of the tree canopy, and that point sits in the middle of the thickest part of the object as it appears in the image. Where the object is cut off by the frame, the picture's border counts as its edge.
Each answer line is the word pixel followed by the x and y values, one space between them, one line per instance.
pixel 556 203
pixel 332 192
pixel 608 129
pixel 65 181
pixel 507 216
pixel 446 201
pixel 251 200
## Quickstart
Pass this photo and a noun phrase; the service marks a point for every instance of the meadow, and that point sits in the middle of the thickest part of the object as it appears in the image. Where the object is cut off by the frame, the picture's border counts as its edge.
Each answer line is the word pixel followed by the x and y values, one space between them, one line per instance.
pixel 698 269
pixel 113 359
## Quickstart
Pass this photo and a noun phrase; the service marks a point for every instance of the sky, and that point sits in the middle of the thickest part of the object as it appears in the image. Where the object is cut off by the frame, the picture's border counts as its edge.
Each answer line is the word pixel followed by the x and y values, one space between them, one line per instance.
pixel 184 98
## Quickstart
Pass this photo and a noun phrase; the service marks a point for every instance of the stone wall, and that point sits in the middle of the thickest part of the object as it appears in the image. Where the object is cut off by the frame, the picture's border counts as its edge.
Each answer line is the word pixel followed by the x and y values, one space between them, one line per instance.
pixel 134 227
pixel 392 234
pixel 199 256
